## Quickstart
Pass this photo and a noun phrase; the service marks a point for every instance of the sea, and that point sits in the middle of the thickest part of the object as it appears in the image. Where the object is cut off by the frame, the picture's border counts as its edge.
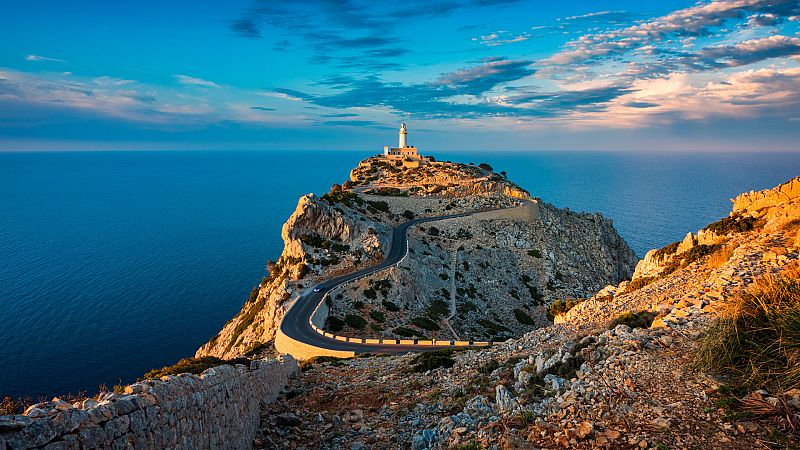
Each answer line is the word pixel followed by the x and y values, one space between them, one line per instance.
pixel 114 263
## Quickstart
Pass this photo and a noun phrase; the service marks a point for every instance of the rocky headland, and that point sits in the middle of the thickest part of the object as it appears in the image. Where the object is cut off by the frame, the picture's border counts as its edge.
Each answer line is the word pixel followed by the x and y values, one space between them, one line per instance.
pixel 488 276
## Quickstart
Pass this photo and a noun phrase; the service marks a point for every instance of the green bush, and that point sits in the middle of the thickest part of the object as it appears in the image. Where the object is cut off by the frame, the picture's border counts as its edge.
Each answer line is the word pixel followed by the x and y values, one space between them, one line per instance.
pixel 192 365
pixel 438 308
pixel 425 323
pixel 355 321
pixel 380 206
pixel 668 249
pixel 561 306
pixel 334 324
pixel 535 253
pixel 390 306
pixel 733 224
pixel 756 341
pixel 523 317
pixel 432 360
pixel 404 332
pixel 640 319
pixel 377 315
pixel 358 304
pixel 370 293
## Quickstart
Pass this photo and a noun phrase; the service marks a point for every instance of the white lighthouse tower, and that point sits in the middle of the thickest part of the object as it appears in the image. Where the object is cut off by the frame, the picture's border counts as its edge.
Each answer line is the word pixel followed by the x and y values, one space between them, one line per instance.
pixel 403 134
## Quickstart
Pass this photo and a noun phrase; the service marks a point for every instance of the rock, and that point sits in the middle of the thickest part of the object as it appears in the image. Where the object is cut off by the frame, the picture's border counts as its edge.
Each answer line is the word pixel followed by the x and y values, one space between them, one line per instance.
pixel 584 429
pixel 661 423
pixel 793 398
pixel 504 401
pixel 287 420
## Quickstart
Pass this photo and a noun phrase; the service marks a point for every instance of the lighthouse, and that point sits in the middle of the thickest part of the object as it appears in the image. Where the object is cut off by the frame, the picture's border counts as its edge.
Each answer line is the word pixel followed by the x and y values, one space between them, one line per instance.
pixel 403 134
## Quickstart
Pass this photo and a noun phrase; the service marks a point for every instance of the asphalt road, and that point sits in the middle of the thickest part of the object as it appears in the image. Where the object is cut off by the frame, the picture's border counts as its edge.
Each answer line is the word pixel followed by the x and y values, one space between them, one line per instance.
pixel 295 322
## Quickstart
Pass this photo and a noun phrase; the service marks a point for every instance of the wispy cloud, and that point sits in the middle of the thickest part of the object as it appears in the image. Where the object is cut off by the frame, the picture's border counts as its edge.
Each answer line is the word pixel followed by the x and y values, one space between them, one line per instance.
pixel 192 81
pixel 39 58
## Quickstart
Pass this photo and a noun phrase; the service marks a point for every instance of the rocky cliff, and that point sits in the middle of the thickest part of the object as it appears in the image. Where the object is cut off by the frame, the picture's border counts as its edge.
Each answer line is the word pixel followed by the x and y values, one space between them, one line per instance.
pixel 487 276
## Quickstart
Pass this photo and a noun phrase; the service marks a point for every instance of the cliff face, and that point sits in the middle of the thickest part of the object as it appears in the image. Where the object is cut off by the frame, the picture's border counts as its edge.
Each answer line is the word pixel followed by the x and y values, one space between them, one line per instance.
pixel 322 237
pixel 485 276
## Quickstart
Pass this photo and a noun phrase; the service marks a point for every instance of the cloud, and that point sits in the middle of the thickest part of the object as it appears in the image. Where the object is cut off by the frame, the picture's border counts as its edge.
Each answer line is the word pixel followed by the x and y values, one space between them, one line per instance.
pixel 192 81
pixel 764 20
pixel 37 58
pixel 693 21
pixel 261 108
pixel 750 51
pixel 352 123
pixel 594 16
pixel 502 38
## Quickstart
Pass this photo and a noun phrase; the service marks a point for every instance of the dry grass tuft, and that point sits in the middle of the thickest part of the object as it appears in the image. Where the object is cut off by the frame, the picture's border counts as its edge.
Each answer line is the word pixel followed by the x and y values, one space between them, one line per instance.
pixel 721 256
pixel 757 339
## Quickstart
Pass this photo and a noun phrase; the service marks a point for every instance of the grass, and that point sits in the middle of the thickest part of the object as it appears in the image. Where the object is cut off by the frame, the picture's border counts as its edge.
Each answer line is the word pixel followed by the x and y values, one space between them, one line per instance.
pixel 733 224
pixel 192 365
pixel 756 341
pixel 640 319
pixel 432 360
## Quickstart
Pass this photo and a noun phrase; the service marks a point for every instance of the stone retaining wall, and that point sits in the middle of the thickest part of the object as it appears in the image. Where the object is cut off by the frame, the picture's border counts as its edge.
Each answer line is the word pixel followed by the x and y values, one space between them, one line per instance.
pixel 218 409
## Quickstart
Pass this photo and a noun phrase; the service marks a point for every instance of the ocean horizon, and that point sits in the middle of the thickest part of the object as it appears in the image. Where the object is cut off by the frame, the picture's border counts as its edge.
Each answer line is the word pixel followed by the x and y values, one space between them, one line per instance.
pixel 114 263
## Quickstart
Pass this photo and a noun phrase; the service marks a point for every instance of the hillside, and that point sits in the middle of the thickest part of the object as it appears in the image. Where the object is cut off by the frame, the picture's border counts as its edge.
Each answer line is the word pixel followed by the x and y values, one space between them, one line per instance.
pixel 489 276
pixel 622 369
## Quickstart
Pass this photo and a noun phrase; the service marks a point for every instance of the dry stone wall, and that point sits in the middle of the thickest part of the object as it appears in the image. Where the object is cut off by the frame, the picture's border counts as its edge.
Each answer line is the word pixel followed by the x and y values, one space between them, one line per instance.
pixel 219 408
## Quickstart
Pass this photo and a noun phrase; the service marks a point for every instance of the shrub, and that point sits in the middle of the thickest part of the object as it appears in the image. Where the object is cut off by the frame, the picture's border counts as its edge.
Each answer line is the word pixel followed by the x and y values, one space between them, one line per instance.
pixel 535 253
pixel 370 293
pixel 433 231
pixel 425 323
pixel 668 249
pixel 561 306
pixel 334 324
pixel 358 304
pixel 355 321
pixel 432 360
pixel 733 224
pixel 408 214
pixel 438 308
pixel 193 365
pixel 756 341
pixel 444 276
pixel 640 319
pixel 380 205
pixel 721 256
pixel 638 283
pixel 390 306
pixel 493 327
pixel 523 317
pixel 406 332
pixel 377 315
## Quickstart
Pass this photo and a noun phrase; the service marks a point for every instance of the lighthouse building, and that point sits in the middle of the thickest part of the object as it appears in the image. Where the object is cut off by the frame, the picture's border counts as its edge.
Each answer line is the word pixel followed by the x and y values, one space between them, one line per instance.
pixel 404 152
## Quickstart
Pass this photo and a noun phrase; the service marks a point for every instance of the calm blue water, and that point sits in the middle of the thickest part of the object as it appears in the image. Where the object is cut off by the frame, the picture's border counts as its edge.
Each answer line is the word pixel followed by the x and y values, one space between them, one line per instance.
pixel 114 263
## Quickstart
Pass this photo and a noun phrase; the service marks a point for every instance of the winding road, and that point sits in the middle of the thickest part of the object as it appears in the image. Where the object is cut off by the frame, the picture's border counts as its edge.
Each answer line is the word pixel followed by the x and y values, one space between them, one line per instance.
pixel 295 323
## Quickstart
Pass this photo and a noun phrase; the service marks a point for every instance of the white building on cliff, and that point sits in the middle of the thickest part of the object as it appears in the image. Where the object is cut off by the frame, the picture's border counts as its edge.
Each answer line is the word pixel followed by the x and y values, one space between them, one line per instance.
pixel 404 152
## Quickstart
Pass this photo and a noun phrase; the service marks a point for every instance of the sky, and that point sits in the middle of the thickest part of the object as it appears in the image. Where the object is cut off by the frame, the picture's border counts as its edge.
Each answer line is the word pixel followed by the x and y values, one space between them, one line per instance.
pixel 484 75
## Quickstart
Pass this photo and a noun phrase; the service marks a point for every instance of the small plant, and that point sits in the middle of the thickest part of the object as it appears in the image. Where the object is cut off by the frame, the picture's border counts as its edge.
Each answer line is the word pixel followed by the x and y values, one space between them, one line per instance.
pixel 406 332
pixel 432 360
pixel 334 324
pixel 355 321
pixel 640 319
pixel 535 253
pixel 390 306
pixel 523 317
pixel 561 306
pixel 189 365
pixel 733 224
pixel 377 315
pixel 425 323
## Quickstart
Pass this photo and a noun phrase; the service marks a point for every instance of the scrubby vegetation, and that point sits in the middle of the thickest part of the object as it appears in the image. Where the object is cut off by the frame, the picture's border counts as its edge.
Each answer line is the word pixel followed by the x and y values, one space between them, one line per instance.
pixel 757 339
pixel 668 249
pixel 561 306
pixel 523 317
pixel 535 253
pixel 355 321
pixel 334 324
pixel 639 319
pixel 432 360
pixel 192 365
pixel 733 224
pixel 425 323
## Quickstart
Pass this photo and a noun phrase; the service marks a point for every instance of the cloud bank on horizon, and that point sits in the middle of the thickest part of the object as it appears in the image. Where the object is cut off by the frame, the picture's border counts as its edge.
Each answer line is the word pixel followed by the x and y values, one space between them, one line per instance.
pixel 474 74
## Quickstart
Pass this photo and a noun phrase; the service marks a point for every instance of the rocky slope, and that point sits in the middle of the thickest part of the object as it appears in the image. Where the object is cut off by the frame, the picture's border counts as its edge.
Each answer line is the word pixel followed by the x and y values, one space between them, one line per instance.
pixel 616 372
pixel 487 276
